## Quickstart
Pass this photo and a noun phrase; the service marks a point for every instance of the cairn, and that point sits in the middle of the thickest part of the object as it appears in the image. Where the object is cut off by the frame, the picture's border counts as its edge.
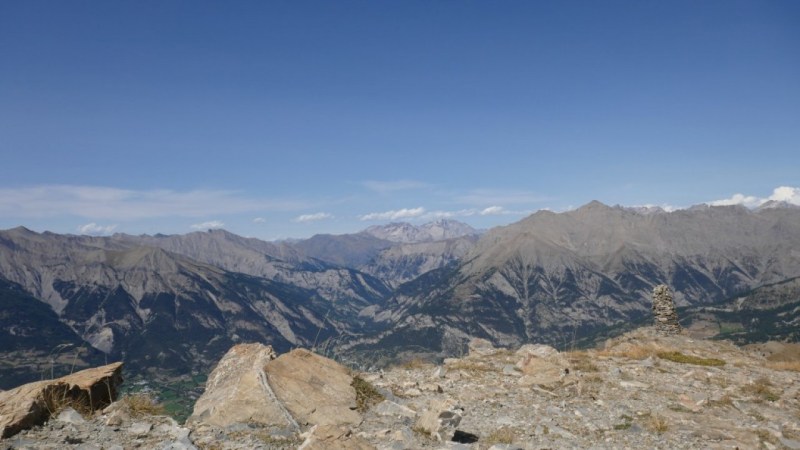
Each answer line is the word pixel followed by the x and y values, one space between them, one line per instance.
pixel 666 319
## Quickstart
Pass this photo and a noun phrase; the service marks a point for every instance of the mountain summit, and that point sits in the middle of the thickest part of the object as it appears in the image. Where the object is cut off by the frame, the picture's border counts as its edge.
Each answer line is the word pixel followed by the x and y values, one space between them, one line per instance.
pixel 407 233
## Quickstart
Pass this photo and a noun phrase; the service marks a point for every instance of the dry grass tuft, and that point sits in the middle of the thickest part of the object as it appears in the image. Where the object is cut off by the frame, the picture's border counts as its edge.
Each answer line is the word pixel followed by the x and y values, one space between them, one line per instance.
pixel 581 360
pixel 415 363
pixel 679 357
pixel 657 424
pixel 793 366
pixel 366 394
pixel 471 367
pixel 142 404
pixel 502 435
pixel 766 436
pixel 761 388
pixel 58 397
pixel 630 351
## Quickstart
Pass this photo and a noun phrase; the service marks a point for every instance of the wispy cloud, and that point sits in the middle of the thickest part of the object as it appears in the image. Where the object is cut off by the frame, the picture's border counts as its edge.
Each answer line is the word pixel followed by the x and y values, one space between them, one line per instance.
pixel 210 225
pixel 481 197
pixel 259 220
pixel 384 187
pixel 449 214
pixel 781 194
pixel 94 229
pixel 405 213
pixel 313 217
pixel 108 203
pixel 493 211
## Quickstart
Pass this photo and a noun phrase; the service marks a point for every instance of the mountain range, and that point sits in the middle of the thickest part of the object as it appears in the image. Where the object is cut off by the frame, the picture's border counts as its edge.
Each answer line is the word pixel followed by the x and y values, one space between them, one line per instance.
pixel 171 304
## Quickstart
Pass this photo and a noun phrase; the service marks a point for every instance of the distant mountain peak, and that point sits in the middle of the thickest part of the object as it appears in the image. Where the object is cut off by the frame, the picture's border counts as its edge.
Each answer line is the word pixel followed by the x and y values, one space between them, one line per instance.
pixel 777 204
pixel 404 232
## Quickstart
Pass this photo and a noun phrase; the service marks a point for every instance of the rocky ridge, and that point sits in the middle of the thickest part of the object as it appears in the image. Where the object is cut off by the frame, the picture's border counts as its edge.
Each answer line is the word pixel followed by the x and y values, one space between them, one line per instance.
pixel 552 277
pixel 640 390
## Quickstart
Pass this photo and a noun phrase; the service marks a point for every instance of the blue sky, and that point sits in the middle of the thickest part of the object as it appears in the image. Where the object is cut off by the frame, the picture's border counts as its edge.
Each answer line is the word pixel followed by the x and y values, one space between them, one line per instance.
pixel 285 119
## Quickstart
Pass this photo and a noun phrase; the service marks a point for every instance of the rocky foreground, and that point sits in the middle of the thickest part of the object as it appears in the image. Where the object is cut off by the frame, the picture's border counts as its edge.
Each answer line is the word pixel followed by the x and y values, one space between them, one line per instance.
pixel 642 390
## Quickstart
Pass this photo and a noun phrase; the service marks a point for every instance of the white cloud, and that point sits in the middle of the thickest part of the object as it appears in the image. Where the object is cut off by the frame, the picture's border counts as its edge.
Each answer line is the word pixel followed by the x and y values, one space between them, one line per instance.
pixel 782 194
pixel 259 220
pixel 95 229
pixel 108 203
pixel 449 214
pixel 313 217
pixel 384 187
pixel 786 194
pixel 739 199
pixel 493 211
pixel 210 225
pixel 405 213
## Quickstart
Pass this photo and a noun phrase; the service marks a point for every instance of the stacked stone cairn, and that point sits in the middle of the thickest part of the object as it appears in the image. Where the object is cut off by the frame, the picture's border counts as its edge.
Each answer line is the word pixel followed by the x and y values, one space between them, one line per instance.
pixel 666 319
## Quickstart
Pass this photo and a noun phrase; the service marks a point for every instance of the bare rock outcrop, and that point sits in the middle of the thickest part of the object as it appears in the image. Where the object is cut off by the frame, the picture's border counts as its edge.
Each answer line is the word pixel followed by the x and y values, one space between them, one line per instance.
pixel 316 390
pixel 334 437
pixel 33 403
pixel 237 391
pixel 664 315
pixel 251 386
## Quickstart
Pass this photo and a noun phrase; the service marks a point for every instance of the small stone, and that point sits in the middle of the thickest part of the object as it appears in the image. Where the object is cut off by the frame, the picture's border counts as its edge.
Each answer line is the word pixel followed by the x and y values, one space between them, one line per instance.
pixel 790 443
pixel 413 392
pixel 480 347
pixel 537 350
pixel 390 408
pixel 69 415
pixel 140 428
pixel 441 419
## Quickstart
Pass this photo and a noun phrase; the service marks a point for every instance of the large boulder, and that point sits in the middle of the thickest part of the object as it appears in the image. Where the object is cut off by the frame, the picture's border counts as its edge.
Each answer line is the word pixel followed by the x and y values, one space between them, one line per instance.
pixel 315 389
pixel 33 403
pixel 299 388
pixel 237 391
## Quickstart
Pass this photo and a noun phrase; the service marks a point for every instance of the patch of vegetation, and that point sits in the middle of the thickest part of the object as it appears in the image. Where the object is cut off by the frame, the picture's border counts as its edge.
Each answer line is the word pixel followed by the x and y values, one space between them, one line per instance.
pixel 176 395
pixel 422 432
pixel 630 351
pixel 761 388
pixel 415 363
pixel 581 360
pixel 142 404
pixel 657 424
pixel 58 397
pixel 502 435
pixel 766 436
pixel 366 394
pixel 679 357
pixel 627 421
pixel 793 366
pixel 471 367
